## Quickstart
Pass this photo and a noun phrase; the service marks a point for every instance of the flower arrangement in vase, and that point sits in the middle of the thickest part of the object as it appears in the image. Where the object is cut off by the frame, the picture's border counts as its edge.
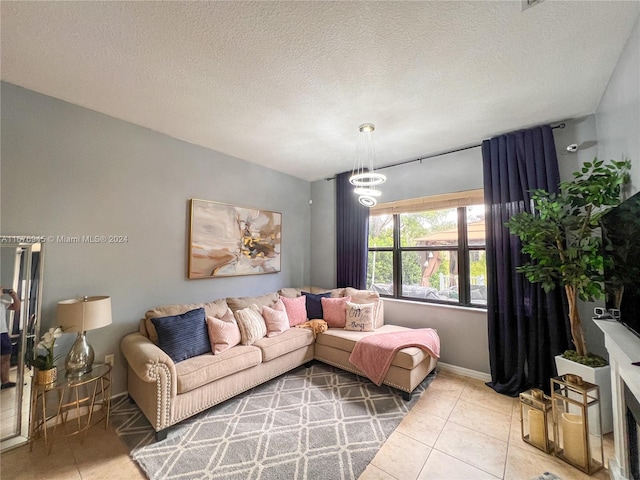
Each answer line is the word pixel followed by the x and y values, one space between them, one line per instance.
pixel 45 363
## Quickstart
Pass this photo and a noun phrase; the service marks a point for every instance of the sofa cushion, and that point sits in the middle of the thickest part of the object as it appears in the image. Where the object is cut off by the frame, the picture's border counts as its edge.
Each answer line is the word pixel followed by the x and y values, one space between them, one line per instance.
pixel 296 309
pixel 296 292
pixel 224 332
pixel 291 340
pixel 337 292
pixel 290 292
pixel 251 324
pixel 204 369
pixel 238 303
pixel 360 317
pixel 314 304
pixel 276 319
pixel 345 340
pixel 183 336
pixel 334 311
pixel 215 309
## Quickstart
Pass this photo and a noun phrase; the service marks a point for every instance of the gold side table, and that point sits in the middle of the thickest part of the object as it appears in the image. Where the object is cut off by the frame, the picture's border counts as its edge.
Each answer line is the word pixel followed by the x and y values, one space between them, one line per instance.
pixel 78 395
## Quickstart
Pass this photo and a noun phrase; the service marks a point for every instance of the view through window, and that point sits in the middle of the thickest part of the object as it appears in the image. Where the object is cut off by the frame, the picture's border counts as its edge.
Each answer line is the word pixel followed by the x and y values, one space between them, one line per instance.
pixel 435 255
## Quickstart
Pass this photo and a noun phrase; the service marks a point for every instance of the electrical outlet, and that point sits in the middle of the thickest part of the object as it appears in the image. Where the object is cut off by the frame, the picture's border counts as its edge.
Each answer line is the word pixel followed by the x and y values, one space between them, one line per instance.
pixel 108 359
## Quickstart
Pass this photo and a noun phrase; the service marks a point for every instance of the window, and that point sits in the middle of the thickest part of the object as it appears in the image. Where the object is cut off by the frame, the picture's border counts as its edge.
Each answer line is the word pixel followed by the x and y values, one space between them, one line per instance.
pixel 430 249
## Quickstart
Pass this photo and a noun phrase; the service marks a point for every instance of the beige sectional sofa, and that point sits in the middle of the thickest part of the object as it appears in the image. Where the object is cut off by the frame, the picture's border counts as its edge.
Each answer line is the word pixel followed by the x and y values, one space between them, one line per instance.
pixel 168 392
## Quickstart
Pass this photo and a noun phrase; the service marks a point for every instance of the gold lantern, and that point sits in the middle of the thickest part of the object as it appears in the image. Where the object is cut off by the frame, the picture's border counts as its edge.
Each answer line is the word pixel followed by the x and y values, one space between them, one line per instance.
pixel 536 418
pixel 577 425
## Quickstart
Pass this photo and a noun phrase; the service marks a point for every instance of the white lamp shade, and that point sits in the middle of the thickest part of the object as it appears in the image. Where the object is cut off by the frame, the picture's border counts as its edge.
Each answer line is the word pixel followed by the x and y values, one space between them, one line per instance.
pixel 82 314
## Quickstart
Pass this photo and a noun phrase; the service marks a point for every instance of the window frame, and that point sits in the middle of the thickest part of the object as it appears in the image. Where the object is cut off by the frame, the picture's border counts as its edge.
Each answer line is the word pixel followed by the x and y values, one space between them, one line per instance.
pixel 463 250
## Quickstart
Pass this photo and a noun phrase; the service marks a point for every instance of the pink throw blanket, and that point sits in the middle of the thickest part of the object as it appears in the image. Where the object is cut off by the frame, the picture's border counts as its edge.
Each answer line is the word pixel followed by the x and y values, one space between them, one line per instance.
pixel 373 354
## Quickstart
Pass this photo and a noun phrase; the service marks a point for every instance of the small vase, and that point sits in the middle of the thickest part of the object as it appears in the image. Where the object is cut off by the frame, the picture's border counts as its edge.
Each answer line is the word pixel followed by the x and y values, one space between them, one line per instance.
pixel 46 377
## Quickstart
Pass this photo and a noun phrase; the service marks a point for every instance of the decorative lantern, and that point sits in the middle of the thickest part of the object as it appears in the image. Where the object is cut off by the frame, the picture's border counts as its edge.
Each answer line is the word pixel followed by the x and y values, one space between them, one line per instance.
pixel 536 418
pixel 577 425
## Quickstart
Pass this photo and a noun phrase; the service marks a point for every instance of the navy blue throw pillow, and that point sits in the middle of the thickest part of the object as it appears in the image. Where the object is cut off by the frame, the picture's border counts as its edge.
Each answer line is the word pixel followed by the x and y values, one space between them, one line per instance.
pixel 314 304
pixel 183 336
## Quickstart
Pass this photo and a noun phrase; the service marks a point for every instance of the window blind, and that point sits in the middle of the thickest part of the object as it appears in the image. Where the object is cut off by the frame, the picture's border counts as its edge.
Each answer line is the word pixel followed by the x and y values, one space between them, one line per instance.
pixel 432 202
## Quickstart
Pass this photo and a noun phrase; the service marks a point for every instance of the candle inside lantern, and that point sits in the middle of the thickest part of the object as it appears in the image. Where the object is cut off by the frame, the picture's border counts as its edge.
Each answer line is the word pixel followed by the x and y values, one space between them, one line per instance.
pixel 536 428
pixel 573 438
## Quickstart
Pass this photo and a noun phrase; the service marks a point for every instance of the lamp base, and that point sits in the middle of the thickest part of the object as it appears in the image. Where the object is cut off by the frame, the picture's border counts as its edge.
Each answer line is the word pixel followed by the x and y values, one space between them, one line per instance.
pixel 80 358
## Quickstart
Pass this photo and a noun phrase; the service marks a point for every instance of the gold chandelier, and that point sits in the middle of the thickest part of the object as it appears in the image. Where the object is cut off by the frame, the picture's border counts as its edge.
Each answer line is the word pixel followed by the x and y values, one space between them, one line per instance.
pixel 363 176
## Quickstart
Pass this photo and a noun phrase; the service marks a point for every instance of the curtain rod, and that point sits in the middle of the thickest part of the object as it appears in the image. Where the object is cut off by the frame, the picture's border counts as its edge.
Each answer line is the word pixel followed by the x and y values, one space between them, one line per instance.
pixel 561 125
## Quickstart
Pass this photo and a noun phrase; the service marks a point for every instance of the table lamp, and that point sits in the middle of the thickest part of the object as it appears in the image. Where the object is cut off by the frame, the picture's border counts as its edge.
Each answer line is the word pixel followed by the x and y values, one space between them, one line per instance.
pixel 80 315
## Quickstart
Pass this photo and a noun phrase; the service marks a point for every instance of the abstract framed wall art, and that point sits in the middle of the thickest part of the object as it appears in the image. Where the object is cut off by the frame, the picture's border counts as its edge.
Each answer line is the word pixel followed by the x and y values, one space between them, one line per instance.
pixel 226 240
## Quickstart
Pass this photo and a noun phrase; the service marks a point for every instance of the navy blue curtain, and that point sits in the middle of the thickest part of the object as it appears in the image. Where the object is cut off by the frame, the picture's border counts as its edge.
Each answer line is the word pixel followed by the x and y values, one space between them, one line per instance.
pixel 527 327
pixel 352 232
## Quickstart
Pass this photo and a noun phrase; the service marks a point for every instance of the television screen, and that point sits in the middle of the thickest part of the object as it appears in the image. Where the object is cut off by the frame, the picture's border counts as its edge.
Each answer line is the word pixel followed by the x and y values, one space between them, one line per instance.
pixel 621 242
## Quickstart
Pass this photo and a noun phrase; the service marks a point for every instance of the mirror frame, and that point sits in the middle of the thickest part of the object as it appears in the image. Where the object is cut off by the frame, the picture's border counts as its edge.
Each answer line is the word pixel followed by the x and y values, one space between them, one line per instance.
pixel 20 434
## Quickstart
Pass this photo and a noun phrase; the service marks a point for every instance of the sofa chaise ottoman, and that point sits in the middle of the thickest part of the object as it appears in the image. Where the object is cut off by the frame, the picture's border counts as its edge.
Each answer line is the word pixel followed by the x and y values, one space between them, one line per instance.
pixel 408 368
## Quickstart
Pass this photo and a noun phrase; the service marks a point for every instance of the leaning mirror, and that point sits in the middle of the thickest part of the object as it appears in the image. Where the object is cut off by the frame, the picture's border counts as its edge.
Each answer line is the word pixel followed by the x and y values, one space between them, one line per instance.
pixel 21 280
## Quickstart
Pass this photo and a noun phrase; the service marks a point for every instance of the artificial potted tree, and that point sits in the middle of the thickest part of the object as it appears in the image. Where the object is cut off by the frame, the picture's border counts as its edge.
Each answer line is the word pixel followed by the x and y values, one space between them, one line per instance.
pixel 563 241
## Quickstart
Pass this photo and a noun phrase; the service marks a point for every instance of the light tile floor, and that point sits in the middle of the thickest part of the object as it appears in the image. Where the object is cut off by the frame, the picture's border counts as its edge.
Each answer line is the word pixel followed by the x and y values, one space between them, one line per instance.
pixel 462 429
pixel 459 429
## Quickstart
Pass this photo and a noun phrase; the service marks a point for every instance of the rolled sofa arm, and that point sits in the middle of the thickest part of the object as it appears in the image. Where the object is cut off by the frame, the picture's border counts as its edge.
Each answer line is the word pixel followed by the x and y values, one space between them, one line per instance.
pixel 152 380
pixel 144 356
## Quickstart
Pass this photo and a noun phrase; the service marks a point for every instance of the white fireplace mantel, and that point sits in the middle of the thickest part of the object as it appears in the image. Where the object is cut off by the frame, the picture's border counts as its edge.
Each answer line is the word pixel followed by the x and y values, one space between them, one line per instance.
pixel 624 349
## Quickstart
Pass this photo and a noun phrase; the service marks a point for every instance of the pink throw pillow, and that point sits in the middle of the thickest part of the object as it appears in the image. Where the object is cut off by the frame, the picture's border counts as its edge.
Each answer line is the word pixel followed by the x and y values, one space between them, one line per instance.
pixel 334 311
pixel 276 319
pixel 223 332
pixel 296 309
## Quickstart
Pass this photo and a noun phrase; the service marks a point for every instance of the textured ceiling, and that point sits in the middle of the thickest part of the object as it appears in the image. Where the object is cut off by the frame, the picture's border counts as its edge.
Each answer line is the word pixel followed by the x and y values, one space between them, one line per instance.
pixel 286 84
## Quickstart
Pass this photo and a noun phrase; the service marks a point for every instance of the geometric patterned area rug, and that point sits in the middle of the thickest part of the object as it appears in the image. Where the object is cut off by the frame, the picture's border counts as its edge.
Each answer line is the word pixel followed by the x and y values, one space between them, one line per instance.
pixel 547 476
pixel 310 423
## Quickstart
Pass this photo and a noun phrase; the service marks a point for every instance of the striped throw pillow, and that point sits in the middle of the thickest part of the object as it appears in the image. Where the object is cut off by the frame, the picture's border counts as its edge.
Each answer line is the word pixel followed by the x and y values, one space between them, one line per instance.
pixel 251 324
pixel 183 336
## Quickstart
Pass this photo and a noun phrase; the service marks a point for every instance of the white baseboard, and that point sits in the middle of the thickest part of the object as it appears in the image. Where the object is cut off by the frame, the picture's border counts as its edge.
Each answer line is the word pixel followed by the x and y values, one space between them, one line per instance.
pixel 465 372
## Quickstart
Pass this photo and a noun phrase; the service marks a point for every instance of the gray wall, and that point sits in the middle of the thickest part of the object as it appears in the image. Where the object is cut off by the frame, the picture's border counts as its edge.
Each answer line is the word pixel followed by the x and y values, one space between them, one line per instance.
pixel 613 132
pixel 67 170
pixel 618 113
pixel 323 233
pixel 583 132
pixel 618 133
